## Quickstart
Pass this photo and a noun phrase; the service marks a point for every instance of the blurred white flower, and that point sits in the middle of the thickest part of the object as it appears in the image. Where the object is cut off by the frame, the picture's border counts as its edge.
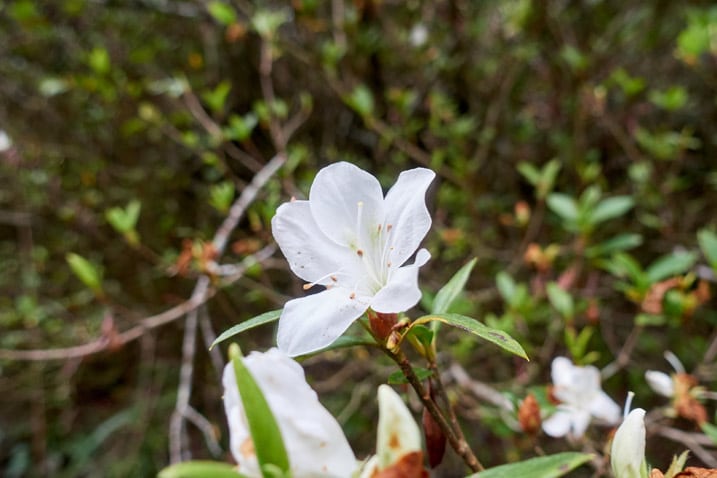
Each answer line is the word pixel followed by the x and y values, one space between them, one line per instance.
pixel 660 382
pixel 419 35
pixel 398 435
pixel 578 389
pixel 627 453
pixel 352 240
pixel 315 444
pixel 5 141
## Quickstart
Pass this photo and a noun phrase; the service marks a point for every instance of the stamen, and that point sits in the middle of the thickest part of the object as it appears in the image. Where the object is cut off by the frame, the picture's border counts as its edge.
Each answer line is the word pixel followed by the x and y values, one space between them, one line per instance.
pixel 628 403
pixel 389 227
pixel 379 227
pixel 333 278
pixel 359 252
pixel 330 275
pixel 352 296
pixel 388 264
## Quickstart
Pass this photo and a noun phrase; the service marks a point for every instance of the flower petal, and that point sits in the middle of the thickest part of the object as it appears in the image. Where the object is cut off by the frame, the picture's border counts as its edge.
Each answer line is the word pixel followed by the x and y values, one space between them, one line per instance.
pixel 627 453
pixel 604 408
pixel 314 322
pixel 580 422
pixel 407 213
pixel 402 292
pixel 398 433
pixel 313 438
pixel 335 196
pixel 558 424
pixel 311 255
pixel 561 371
pixel 660 382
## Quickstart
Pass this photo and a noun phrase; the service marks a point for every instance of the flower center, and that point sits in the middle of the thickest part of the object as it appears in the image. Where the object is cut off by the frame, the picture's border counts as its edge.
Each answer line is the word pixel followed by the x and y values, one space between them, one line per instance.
pixel 373 248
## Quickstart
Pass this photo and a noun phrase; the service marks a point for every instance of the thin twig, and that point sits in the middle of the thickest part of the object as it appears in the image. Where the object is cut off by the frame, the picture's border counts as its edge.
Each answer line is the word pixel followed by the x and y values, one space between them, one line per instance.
pixel 692 441
pixel 482 391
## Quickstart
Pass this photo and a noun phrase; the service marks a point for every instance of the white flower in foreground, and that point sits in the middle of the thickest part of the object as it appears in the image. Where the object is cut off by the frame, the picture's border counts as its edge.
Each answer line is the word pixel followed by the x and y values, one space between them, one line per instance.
pixel 578 389
pixel 398 435
pixel 352 240
pixel 627 454
pixel 315 444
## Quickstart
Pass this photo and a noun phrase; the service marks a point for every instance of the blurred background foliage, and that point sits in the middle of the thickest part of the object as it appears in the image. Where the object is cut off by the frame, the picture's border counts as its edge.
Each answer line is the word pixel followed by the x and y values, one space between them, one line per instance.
pixel 574 143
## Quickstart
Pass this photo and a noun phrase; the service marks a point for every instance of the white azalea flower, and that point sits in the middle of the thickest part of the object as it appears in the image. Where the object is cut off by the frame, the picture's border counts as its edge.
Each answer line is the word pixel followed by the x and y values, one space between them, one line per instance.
pixel 315 444
pixel 627 453
pixel 352 240
pixel 660 382
pixel 5 141
pixel 578 389
pixel 398 433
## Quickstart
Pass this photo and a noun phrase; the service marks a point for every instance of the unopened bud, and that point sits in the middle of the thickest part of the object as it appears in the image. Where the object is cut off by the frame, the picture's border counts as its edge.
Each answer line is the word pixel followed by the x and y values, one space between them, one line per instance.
pixel 529 415
pixel 382 324
pixel 435 439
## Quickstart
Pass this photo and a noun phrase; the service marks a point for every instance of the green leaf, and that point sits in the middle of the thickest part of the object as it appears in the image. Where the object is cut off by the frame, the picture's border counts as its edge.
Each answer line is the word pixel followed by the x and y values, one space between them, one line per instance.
pixel 266 23
pixel 361 100
pixel 621 242
pixel 265 433
pixel 222 12
pixel 99 60
pixel 221 196
pixel 200 469
pixel 262 319
pixel 561 300
pixel 529 172
pixel 670 265
pixel 498 337
pixel 564 206
pixel 708 244
pixel 398 378
pixel 86 271
pixel 506 286
pixel 449 292
pixel 710 430
pixel 550 466
pixel 611 208
pixel 124 220
pixel 216 98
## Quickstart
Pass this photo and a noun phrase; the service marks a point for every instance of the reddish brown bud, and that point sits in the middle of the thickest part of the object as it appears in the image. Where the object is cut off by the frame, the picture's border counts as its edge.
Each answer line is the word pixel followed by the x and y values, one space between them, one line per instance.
pixel 382 324
pixel 435 439
pixel 409 466
pixel 529 415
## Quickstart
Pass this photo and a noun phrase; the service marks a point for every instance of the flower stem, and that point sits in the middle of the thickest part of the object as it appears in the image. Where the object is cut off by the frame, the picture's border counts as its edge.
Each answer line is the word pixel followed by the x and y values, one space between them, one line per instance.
pixel 453 435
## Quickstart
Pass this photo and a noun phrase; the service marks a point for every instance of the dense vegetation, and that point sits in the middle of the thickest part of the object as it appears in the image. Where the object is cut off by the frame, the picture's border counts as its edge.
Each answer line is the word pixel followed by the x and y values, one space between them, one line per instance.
pixel 574 148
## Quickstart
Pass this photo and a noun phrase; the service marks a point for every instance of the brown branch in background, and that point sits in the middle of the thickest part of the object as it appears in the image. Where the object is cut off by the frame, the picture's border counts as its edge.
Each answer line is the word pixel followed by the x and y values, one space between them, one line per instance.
pixel 696 442
pixel 623 357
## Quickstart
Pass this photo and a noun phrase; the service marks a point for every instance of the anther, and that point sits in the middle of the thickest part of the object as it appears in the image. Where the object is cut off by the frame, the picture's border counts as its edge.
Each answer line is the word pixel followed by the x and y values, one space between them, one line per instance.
pixel 307 286
pixel 359 252
pixel 379 227
pixel 293 198
pixel 389 227
pixel 388 264
pixel 352 296
pixel 333 278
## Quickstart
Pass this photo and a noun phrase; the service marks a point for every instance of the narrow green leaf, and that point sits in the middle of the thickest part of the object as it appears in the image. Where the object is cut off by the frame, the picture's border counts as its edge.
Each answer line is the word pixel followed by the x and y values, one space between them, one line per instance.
pixel 561 300
pixel 86 271
pixel 621 242
pixel 670 265
pixel 564 206
pixel 610 208
pixel 398 378
pixel 262 319
pixel 529 172
pixel 498 337
pixel 222 12
pixel 551 466
pixel 200 469
pixel 361 100
pixel 449 292
pixel 708 244
pixel 265 433
pixel 710 430
pixel 506 286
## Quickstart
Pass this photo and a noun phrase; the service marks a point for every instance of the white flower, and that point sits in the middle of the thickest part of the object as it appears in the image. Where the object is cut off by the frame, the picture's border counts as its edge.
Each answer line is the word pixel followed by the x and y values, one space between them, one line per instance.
pixel 660 382
pixel 5 141
pixel 398 433
pixel 315 444
pixel 627 454
pixel 578 389
pixel 352 240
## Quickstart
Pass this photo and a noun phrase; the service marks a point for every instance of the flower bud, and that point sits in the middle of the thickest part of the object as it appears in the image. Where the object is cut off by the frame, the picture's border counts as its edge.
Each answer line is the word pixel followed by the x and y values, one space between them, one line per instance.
pixel 627 454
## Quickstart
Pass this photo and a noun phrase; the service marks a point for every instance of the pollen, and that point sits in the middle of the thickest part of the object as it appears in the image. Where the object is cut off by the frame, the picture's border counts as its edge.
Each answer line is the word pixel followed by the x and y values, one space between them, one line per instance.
pixel 307 286
pixel 333 278
pixel 352 296
pixel 359 252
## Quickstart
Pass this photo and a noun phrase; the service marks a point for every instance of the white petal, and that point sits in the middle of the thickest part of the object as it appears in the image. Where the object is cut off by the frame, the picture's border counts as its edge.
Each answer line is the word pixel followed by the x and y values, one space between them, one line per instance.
pixel 314 440
pixel 406 212
pixel 561 371
pixel 660 383
pixel 335 196
pixel 315 321
pixel 580 422
pixel 398 433
pixel 369 467
pixel 604 408
pixel 559 424
pixel 311 255
pixel 627 453
pixel 402 292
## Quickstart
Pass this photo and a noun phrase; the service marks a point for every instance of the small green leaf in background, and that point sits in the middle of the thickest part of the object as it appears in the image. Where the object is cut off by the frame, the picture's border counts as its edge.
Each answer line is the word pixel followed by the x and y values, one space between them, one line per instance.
pixel 564 206
pixel 86 271
pixel 551 466
pixel 497 337
pixel 125 220
pixel 708 243
pixel 361 100
pixel 99 60
pixel 200 469
pixel 216 98
pixel 710 430
pixel 265 318
pixel 221 196
pixel 449 292
pixel 398 378
pixel 222 12
pixel 670 265
pixel 266 23
pixel 561 300
pixel 241 127
pixel 611 208
pixel 670 99
pixel 620 242
pixel 265 433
